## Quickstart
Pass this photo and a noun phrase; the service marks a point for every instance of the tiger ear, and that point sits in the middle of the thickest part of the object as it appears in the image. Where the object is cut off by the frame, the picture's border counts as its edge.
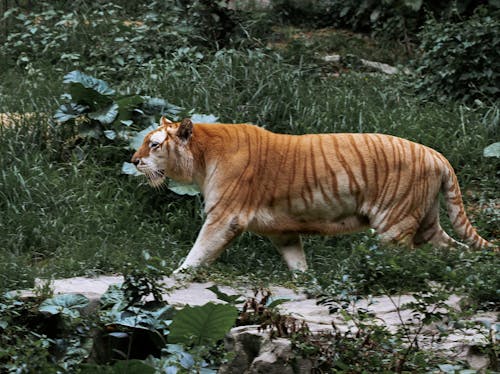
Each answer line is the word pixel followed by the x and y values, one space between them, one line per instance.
pixel 164 121
pixel 185 129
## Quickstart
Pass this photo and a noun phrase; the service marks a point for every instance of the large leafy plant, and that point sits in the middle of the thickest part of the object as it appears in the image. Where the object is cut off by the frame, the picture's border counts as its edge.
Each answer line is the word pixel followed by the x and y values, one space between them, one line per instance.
pixel 42 336
pixel 99 112
pixel 130 330
pixel 137 328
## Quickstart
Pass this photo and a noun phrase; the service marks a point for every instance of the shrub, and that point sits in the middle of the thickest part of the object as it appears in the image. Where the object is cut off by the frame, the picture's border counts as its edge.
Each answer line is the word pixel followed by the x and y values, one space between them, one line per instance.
pixel 461 60
pixel 118 40
pixel 114 42
pixel 397 20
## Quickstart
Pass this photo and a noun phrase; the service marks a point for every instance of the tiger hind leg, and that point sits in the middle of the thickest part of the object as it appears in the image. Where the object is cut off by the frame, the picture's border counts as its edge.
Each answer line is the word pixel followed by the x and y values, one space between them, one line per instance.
pixel 431 232
pixel 400 233
pixel 290 248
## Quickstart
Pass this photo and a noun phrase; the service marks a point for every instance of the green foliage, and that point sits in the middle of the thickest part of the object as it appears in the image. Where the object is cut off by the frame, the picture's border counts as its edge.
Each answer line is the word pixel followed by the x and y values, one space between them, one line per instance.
pixel 143 328
pixel 142 283
pixel 97 113
pixel 367 345
pixel 120 367
pixel 230 299
pixel 478 277
pixel 375 270
pixel 38 336
pixel 461 60
pixel 202 325
pixel 63 36
pixel 117 40
pixel 56 337
pixel 67 305
pixel 392 18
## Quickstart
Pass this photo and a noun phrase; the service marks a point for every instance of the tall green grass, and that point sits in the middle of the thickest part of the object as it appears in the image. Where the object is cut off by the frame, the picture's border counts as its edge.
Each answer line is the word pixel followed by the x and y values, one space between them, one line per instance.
pixel 63 216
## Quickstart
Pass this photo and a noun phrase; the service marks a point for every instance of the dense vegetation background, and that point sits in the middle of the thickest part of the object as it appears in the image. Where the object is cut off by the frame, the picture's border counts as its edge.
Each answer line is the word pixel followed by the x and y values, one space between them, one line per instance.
pixel 67 209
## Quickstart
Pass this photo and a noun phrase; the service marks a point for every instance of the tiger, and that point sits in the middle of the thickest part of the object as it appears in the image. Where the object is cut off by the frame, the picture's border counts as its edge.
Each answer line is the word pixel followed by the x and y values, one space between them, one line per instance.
pixel 284 186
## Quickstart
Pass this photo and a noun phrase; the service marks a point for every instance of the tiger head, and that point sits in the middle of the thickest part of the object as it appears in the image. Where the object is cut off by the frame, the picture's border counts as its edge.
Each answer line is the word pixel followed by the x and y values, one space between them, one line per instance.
pixel 165 153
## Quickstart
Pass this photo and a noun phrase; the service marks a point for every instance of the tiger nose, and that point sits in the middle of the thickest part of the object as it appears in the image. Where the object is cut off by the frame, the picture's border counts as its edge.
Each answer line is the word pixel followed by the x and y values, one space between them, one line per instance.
pixel 136 160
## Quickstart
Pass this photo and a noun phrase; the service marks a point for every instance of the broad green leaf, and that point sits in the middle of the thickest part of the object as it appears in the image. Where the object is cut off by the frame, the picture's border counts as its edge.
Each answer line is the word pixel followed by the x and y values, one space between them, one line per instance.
pixel 90 130
pixel 202 325
pixel 126 105
pixel 110 134
pixel 161 312
pixel 113 295
pixel 105 115
pixel 141 321
pixel 66 304
pixel 155 105
pixel 130 169
pixel 183 189
pixel 88 96
pixel 142 317
pixel 87 81
pixel 88 90
pixel 274 302
pixel 230 299
pixel 178 354
pixel 493 150
pixel 204 118
pixel 136 141
pixel 69 111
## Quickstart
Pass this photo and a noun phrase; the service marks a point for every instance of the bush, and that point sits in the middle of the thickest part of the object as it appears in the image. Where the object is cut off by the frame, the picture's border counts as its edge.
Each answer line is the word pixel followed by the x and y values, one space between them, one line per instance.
pixel 366 14
pixel 461 60
pixel 112 39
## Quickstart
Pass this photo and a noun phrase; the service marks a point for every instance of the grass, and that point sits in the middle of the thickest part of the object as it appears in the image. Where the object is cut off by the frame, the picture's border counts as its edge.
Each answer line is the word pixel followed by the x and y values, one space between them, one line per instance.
pixel 66 218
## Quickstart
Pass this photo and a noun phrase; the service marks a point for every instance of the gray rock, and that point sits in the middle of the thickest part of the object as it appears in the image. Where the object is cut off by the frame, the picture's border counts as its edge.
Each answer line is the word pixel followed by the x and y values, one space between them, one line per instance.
pixel 255 353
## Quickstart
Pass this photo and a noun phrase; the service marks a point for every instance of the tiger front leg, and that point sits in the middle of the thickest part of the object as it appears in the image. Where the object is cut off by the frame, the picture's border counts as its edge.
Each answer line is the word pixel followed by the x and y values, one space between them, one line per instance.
pixel 213 238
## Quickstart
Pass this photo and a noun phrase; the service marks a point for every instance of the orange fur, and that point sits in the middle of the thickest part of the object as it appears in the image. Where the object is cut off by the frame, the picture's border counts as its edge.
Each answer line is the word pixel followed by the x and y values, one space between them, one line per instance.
pixel 282 186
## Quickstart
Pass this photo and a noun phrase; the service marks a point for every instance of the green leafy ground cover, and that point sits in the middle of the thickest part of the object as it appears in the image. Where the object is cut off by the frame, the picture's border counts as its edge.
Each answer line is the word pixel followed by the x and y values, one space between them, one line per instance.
pixel 67 210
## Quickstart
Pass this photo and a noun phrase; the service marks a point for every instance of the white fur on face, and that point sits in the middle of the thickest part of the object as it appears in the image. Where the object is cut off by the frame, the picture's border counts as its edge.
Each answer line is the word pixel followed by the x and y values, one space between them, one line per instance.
pixel 149 165
pixel 158 137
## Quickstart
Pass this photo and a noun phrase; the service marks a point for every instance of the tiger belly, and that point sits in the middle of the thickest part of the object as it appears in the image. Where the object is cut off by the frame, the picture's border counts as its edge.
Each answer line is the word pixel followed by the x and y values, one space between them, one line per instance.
pixel 323 214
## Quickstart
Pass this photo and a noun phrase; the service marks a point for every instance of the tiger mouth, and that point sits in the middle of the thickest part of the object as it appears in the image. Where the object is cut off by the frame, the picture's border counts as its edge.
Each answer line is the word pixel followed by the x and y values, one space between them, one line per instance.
pixel 156 177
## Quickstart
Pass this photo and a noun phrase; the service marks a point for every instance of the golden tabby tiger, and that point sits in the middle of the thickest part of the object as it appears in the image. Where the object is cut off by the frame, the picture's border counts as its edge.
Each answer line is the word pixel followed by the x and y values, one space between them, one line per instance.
pixel 282 186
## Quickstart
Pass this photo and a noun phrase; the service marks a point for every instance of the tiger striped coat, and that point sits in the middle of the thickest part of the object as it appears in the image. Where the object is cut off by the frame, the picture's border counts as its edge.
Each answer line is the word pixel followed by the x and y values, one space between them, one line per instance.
pixel 282 186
